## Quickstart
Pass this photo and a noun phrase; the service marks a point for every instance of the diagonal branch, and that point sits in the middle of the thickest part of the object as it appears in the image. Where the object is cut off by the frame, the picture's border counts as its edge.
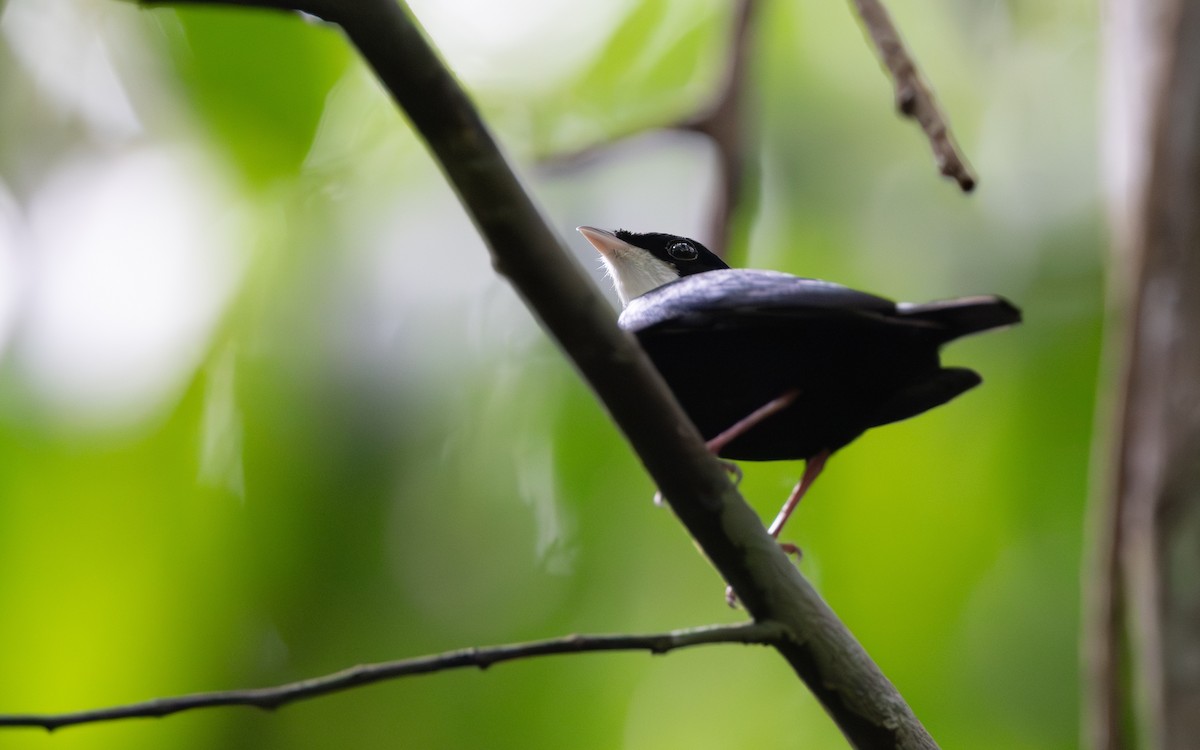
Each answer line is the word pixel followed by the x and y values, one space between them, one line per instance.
pixel 866 707
pixel 763 633
pixel 913 97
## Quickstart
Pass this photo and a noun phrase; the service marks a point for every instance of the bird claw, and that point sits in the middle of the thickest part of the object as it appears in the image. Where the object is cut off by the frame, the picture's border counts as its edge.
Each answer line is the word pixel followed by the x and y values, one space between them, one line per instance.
pixel 788 548
pixel 792 550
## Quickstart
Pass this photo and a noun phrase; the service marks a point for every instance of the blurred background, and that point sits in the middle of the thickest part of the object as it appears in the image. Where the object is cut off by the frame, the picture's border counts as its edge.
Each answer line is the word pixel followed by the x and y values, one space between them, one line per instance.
pixel 266 411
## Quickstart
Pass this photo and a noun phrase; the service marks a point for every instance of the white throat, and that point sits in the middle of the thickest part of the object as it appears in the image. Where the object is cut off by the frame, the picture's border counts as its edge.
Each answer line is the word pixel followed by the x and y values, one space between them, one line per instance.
pixel 635 272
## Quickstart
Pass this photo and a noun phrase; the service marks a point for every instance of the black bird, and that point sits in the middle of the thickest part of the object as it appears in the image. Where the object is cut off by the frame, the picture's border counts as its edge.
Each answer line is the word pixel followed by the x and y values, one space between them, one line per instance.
pixel 771 366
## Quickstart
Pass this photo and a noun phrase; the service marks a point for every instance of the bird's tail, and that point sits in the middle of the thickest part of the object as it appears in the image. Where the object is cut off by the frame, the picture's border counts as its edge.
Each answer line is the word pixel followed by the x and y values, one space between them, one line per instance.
pixel 963 316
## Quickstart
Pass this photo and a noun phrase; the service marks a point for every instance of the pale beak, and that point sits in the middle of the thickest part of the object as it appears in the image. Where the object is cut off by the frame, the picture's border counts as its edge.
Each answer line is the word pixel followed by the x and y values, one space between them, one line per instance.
pixel 607 243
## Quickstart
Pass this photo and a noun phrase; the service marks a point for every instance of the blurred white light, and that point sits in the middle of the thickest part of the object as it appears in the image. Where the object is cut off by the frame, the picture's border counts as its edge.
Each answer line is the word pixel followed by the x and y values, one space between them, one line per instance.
pixel 1033 105
pixel 60 44
pixel 132 261
pixel 486 41
pixel 10 229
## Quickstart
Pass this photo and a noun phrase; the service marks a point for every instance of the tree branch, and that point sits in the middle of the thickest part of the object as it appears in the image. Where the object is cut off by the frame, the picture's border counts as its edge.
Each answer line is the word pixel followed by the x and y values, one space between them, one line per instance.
pixel 1144 633
pixel 719 120
pixel 913 98
pixel 866 707
pixel 267 699
pixel 722 123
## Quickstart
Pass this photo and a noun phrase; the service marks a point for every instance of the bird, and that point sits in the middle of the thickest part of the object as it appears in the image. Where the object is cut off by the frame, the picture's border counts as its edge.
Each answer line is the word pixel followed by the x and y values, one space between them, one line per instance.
pixel 771 366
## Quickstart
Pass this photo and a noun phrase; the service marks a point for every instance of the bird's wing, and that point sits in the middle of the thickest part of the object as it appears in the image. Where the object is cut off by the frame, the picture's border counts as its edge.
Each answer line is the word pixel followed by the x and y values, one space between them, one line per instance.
pixel 745 295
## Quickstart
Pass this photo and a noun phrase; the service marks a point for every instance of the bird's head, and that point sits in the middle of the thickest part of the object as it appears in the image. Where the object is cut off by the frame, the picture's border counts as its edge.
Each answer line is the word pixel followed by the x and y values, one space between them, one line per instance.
pixel 639 263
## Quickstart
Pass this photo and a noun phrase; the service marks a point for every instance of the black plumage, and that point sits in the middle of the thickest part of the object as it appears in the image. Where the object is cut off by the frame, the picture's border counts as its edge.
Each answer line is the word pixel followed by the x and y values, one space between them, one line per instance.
pixel 771 366
pixel 729 341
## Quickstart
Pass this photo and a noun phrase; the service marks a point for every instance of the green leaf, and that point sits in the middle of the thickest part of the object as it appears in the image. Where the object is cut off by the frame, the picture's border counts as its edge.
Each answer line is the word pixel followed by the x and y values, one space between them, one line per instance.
pixel 259 82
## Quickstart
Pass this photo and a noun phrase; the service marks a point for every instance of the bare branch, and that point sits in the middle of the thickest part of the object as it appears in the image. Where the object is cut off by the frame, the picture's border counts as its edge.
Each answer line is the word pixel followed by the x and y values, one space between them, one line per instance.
pixel 764 633
pixel 913 98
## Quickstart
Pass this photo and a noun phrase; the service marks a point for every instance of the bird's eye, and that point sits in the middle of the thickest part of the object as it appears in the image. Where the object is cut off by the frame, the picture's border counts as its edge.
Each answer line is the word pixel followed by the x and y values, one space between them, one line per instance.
pixel 682 251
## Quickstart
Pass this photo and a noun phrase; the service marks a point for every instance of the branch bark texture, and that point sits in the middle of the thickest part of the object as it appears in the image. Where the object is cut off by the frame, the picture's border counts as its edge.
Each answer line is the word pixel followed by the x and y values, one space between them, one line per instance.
pixel 1148 573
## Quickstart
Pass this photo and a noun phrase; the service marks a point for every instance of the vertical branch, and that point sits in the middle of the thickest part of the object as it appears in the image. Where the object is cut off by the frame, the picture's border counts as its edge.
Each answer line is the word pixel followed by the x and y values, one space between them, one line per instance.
pixel 724 123
pixel 1154 512
pixel 1134 59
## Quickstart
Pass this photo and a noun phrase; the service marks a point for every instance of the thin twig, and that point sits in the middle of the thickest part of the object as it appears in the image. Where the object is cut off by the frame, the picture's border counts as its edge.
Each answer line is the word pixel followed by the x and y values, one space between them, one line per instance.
pixel 913 98
pixel 764 633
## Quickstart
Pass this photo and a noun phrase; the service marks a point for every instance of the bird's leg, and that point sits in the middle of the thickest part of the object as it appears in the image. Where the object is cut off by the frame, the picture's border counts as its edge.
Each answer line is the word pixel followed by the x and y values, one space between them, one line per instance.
pixel 744 425
pixel 812 469
pixel 750 421
pixel 739 428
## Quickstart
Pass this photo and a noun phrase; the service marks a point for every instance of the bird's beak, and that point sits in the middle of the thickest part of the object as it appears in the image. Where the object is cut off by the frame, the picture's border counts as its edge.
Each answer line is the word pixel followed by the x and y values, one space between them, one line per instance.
pixel 604 241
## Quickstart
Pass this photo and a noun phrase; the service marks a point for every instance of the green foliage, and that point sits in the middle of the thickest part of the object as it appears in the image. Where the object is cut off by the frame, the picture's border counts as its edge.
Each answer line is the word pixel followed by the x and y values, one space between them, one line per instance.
pixel 663 60
pixel 257 81
pixel 372 451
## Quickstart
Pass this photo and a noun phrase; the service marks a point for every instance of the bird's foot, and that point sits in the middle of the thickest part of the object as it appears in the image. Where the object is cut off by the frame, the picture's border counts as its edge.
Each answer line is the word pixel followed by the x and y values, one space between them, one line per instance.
pixel 734 471
pixel 792 550
pixel 788 548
